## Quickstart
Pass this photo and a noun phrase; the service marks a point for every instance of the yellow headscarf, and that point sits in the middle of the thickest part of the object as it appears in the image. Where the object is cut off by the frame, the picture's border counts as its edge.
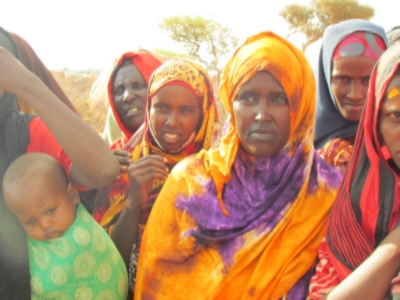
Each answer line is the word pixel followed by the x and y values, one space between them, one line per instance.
pixel 111 200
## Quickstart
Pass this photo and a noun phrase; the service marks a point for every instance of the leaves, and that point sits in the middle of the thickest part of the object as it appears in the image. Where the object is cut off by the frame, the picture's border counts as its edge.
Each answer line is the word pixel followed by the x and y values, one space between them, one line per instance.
pixel 205 40
pixel 312 20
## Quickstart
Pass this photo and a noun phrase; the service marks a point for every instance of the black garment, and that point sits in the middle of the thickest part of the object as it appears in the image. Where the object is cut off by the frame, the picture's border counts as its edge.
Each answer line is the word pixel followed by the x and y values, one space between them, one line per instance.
pixel 14 140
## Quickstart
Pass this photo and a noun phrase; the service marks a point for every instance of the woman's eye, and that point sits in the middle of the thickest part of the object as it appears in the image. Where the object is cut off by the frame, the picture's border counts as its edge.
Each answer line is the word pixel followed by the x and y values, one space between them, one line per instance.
pixel 159 107
pixel 138 86
pixel 341 79
pixel 247 99
pixel 187 110
pixel 395 115
pixel 280 100
pixel 365 80
pixel 119 91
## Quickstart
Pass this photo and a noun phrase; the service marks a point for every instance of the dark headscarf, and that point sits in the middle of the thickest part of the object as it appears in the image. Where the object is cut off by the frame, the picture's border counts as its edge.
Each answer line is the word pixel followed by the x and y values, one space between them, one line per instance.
pixel 14 139
pixel 362 215
pixel 329 121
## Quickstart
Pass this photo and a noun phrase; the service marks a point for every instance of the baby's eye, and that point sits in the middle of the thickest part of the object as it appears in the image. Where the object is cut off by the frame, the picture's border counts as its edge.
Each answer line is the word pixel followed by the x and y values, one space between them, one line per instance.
pixel 31 222
pixel 51 210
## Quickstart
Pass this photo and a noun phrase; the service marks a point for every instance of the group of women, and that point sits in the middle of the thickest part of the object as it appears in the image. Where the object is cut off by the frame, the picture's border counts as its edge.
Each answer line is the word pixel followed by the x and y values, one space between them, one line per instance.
pixel 297 200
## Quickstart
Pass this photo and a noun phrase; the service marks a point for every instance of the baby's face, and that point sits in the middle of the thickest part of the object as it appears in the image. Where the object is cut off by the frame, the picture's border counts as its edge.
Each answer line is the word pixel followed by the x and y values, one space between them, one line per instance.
pixel 45 213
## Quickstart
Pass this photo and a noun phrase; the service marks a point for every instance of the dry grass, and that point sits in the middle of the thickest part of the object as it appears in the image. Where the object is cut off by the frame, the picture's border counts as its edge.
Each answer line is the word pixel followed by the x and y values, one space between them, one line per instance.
pixel 77 87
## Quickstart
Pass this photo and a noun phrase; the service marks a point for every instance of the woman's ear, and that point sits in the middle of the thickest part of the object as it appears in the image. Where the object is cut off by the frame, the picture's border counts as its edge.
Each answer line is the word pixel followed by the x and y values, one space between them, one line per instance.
pixel 73 193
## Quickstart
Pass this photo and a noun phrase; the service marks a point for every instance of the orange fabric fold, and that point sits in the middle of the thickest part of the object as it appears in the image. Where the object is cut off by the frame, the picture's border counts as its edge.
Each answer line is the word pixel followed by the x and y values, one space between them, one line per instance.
pixel 200 243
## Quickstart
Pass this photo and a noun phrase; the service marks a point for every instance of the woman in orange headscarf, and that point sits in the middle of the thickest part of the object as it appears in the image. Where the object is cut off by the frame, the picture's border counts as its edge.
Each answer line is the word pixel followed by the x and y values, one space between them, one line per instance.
pixel 244 221
pixel 181 119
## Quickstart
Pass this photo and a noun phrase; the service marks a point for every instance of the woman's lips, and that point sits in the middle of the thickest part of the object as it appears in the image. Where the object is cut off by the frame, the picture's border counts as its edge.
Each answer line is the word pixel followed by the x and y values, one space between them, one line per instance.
pixel 170 138
pixel 354 107
pixel 134 111
pixel 262 136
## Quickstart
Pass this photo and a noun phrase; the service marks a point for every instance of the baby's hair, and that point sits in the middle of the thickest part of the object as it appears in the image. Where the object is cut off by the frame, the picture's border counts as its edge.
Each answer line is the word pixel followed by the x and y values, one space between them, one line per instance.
pixel 29 166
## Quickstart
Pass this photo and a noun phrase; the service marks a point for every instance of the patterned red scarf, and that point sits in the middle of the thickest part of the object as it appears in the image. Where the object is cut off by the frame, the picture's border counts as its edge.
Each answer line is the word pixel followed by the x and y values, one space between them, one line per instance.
pixel 362 214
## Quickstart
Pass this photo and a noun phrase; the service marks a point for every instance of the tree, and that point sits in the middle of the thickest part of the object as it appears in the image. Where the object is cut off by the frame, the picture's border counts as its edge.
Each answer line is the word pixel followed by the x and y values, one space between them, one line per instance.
pixel 312 20
pixel 205 40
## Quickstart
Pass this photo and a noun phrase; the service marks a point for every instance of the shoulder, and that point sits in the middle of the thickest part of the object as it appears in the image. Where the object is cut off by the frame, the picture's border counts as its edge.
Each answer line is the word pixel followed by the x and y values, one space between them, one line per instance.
pixel 335 149
pixel 327 173
pixel 193 164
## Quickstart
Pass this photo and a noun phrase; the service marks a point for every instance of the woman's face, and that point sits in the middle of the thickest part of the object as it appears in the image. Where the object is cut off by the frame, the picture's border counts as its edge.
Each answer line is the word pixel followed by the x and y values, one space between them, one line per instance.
pixel 262 116
pixel 349 84
pixel 389 126
pixel 174 115
pixel 130 95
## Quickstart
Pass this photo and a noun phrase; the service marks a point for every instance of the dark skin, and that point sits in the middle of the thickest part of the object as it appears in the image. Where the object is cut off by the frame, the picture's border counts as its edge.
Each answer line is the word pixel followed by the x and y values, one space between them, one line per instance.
pixel 262 116
pixel 130 95
pixel 174 115
pixel 102 168
pixel 389 124
pixel 371 280
pixel 349 84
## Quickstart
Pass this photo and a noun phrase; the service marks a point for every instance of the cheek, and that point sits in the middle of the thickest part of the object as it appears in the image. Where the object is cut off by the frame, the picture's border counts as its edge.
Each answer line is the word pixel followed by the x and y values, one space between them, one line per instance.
pixel 192 121
pixel 143 95
pixel 35 233
pixel 338 92
pixel 239 117
pixel 390 133
pixel 156 120
pixel 117 103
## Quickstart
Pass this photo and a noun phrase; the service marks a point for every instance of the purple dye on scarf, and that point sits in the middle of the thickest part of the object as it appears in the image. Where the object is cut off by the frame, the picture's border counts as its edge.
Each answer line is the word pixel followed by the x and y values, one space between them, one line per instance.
pixel 256 197
pixel 300 290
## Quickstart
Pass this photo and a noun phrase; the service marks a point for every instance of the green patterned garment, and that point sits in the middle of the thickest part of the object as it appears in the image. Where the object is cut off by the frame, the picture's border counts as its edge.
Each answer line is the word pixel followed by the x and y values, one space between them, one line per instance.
pixel 81 264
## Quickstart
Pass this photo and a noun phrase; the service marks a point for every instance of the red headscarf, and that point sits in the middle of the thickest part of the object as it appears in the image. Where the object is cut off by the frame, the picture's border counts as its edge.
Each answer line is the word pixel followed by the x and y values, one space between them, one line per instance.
pixel 362 215
pixel 146 64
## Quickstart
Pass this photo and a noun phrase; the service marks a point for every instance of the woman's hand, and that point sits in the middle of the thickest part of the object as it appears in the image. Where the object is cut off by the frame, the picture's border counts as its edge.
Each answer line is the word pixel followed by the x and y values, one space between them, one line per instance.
pixel 141 174
pixel 124 158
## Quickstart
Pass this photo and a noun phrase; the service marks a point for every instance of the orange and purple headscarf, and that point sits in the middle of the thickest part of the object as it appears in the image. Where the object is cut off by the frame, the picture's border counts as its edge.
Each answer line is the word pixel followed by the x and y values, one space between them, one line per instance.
pixel 231 226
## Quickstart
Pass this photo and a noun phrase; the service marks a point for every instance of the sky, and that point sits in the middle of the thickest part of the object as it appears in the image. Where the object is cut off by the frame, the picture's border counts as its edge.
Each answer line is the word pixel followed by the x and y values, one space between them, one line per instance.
pixel 88 34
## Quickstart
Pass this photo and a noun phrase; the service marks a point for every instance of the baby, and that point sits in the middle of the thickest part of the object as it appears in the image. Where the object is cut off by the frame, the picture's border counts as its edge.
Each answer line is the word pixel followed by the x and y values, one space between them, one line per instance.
pixel 70 255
